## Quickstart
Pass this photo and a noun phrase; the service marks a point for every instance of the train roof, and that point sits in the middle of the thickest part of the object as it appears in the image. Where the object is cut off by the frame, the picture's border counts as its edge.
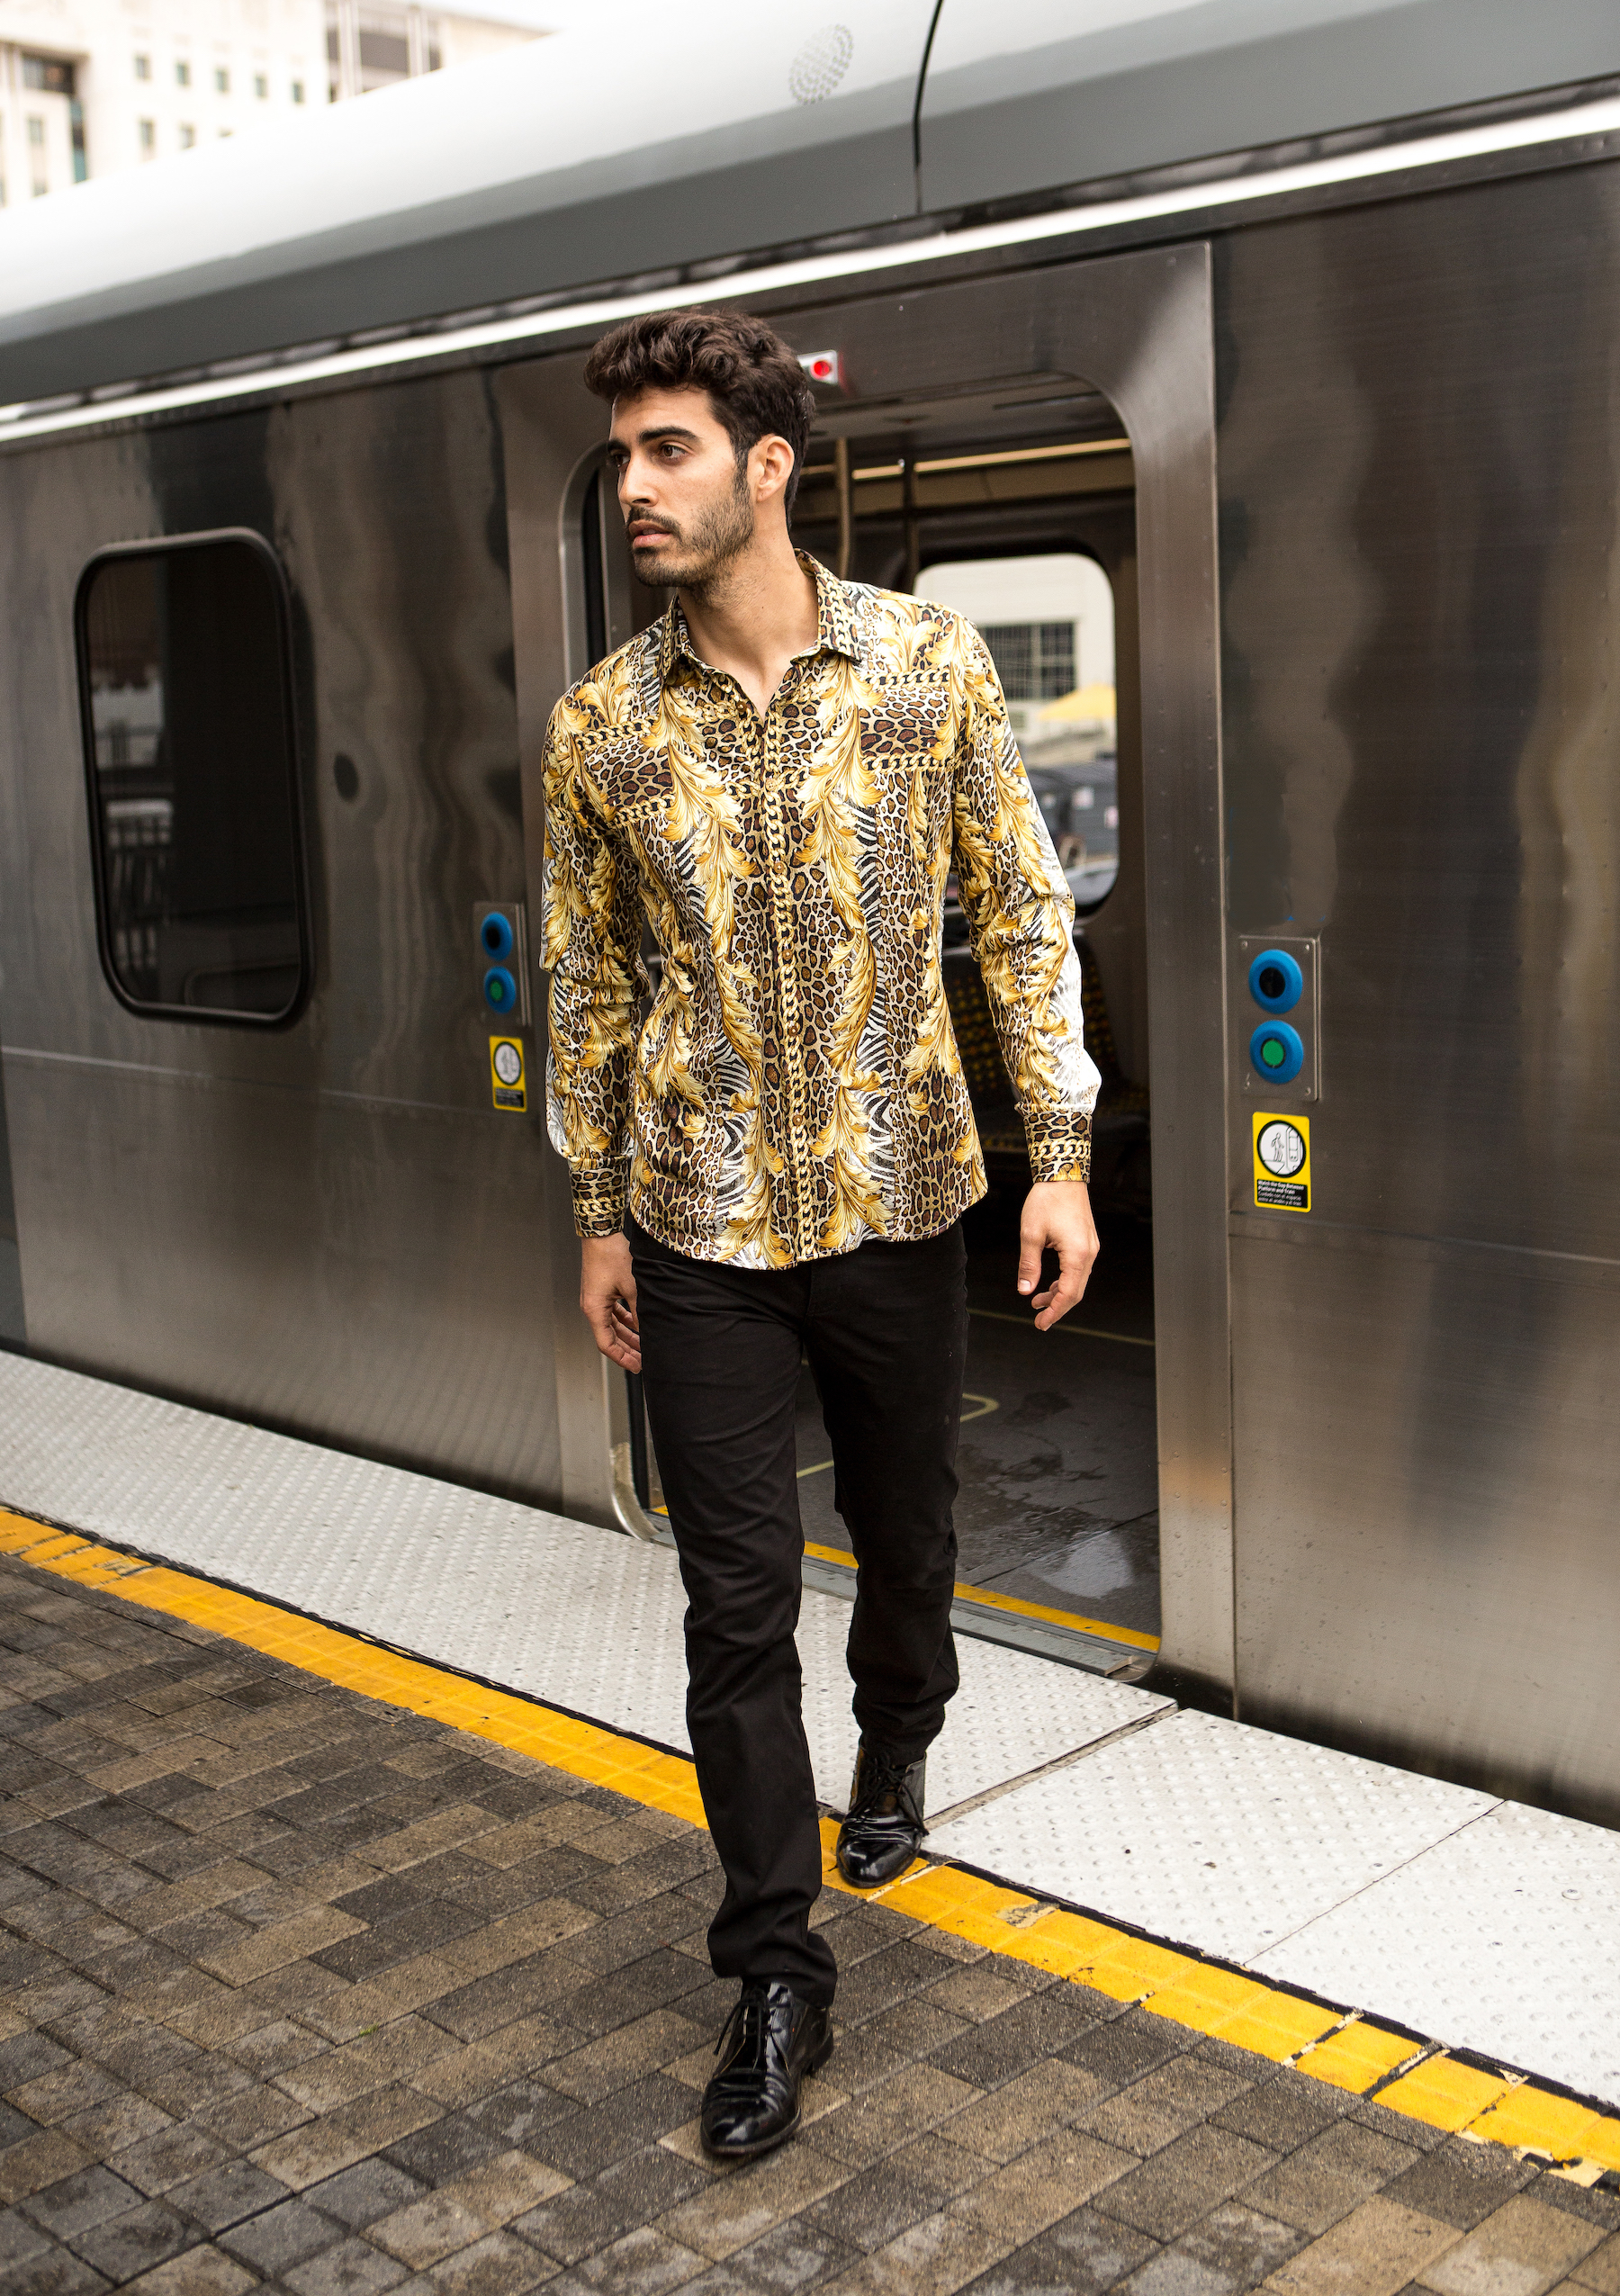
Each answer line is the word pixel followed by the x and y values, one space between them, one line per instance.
pixel 666 141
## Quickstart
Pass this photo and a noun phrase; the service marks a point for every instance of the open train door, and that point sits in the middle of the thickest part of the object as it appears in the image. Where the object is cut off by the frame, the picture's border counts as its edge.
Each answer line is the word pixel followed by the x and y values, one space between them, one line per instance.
pixel 1135 329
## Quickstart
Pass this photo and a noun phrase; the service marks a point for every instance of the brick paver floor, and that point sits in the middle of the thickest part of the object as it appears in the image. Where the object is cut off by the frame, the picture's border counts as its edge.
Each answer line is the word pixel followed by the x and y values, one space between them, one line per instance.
pixel 302 1990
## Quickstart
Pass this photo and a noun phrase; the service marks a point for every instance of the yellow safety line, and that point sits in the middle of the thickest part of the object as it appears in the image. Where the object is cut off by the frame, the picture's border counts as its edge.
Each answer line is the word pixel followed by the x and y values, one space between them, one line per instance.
pixel 966 1591
pixel 1352 2053
pixel 1069 1330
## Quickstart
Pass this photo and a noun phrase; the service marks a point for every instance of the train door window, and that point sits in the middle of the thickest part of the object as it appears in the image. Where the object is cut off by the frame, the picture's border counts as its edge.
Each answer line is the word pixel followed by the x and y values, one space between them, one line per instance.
pixel 1028 529
pixel 1048 621
pixel 185 685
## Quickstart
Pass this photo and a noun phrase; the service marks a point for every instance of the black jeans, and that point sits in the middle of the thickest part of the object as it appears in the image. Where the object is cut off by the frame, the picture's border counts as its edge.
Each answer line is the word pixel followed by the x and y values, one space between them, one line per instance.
pixel 886 1332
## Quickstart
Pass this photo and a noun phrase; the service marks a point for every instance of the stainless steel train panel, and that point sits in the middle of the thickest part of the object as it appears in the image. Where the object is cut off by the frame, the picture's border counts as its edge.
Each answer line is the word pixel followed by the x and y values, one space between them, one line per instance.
pixel 1420 547
pixel 1138 329
pixel 327 1226
pixel 1021 100
pixel 1428 1449
pixel 14 1328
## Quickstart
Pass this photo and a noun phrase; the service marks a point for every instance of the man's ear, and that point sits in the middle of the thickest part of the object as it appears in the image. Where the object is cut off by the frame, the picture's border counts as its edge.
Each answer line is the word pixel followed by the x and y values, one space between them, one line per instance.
pixel 771 462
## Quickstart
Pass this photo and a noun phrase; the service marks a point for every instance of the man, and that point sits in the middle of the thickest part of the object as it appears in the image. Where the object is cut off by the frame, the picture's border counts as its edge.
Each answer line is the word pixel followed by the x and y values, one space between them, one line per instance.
pixel 779 776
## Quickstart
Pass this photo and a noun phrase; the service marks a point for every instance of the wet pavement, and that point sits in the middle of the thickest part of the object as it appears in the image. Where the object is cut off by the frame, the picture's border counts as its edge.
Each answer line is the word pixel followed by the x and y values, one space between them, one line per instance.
pixel 303 1990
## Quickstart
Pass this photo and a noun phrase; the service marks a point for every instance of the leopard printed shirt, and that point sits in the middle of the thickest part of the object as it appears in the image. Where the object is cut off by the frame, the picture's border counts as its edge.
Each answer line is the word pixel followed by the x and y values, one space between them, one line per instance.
pixel 796 1088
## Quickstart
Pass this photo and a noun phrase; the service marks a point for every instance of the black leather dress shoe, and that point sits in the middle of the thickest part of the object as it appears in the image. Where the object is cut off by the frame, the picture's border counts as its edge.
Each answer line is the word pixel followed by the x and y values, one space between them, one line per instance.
pixel 767 2045
pixel 885 1829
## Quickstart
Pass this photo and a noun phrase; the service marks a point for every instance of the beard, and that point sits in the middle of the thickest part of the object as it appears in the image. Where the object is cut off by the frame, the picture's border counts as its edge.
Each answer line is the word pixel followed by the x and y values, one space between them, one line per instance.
pixel 719 534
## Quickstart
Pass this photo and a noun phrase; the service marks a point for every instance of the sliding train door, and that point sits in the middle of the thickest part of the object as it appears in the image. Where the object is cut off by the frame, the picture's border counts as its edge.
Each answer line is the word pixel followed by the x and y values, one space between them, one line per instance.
pixel 1037 451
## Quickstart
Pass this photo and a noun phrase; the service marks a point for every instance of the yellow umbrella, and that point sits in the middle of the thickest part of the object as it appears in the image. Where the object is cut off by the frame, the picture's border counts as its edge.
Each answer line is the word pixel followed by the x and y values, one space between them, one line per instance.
pixel 1086 705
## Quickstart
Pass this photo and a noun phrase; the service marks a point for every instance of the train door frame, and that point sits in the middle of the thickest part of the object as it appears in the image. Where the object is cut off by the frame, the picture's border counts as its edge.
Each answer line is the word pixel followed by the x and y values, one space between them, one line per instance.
pixel 1138 328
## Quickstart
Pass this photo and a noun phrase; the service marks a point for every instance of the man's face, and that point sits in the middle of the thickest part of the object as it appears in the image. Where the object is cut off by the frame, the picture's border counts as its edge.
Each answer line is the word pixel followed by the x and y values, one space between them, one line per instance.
pixel 688 510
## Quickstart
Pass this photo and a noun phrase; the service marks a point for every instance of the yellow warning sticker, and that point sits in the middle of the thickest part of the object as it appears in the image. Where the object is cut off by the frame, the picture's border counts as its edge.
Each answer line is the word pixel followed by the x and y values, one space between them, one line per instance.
pixel 507 1082
pixel 1282 1163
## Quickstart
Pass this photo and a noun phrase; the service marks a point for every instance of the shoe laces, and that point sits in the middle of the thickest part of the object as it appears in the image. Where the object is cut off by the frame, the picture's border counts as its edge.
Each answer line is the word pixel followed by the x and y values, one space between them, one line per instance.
pixel 881 1777
pixel 753 2003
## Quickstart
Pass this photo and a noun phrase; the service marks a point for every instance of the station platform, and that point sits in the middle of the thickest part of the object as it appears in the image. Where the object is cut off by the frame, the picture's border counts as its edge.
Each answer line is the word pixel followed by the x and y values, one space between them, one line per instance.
pixel 1429 1965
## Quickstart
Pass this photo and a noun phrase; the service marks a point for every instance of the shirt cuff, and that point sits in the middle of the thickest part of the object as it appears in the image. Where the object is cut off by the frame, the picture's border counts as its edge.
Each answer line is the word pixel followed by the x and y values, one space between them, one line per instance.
pixel 1060 1147
pixel 600 1198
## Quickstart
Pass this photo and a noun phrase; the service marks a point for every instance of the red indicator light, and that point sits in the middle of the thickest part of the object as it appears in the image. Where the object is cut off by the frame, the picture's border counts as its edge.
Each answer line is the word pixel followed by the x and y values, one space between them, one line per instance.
pixel 823 366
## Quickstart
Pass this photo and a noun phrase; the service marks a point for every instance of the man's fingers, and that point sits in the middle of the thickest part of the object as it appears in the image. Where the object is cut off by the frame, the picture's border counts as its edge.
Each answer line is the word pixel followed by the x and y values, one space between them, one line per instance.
pixel 1030 1249
pixel 1059 1301
pixel 1074 1267
pixel 619 1343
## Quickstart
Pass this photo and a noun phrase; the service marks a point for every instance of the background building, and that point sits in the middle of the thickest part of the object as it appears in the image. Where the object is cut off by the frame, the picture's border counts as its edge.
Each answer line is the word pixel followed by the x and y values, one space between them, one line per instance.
pixel 90 87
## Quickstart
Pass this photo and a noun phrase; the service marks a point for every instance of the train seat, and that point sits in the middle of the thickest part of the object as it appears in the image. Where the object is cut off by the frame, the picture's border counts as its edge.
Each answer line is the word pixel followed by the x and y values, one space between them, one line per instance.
pixel 1121 1124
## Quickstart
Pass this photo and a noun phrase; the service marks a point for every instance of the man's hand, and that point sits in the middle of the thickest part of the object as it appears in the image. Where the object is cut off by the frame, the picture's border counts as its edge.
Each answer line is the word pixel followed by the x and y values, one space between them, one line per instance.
pixel 1056 1216
pixel 607 1295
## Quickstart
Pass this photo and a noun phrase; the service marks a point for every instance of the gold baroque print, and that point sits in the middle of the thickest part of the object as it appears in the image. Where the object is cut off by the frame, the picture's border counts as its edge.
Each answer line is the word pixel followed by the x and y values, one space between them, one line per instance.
pixel 796 1087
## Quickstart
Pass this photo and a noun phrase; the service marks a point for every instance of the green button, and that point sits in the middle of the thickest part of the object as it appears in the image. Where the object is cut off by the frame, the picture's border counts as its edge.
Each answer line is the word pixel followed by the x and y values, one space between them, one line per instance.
pixel 1274 1052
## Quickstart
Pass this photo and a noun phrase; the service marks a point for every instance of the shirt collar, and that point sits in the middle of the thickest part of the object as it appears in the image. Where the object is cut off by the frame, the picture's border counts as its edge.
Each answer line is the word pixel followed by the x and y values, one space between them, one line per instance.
pixel 834 622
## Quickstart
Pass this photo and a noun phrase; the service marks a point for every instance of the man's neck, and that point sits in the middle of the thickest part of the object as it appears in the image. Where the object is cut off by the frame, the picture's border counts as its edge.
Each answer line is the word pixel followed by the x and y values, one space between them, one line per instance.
pixel 754 617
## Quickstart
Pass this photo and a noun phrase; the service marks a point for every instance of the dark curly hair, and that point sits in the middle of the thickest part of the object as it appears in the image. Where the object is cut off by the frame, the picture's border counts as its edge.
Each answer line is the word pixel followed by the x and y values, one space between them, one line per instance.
pixel 755 383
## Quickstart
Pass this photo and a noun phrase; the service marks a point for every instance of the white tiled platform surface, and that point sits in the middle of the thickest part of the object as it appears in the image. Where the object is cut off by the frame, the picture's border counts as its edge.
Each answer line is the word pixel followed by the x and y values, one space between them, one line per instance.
pixel 1203 1831
pixel 1509 1927
pixel 1477 1923
pixel 1480 1923
pixel 584 1619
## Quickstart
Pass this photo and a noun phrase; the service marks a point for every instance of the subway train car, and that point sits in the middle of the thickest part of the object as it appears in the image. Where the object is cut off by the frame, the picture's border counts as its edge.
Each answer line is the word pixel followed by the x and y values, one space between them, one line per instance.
pixel 1269 348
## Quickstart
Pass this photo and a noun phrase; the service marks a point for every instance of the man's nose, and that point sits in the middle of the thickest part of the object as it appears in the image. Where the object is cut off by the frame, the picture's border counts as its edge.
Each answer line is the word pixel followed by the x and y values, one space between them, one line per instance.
pixel 635 481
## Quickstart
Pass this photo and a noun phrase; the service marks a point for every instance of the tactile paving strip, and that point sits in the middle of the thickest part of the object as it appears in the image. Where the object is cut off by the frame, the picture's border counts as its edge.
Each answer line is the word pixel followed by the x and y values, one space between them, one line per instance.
pixel 584 1619
pixel 1211 1834
pixel 1503 1937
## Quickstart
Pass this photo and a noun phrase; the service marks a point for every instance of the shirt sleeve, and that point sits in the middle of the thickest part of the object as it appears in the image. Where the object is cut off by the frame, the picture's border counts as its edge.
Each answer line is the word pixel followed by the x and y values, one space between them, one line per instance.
pixel 1020 916
pixel 592 921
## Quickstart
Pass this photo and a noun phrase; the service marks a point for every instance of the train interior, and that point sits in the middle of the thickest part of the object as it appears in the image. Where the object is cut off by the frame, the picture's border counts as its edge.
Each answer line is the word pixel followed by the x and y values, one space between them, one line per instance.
pixel 1015 506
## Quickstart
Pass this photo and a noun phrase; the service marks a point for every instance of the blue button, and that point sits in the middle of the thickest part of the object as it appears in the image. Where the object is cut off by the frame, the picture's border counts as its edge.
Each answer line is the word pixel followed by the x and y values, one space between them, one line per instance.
pixel 500 990
pixel 496 933
pixel 1275 981
pixel 1277 1052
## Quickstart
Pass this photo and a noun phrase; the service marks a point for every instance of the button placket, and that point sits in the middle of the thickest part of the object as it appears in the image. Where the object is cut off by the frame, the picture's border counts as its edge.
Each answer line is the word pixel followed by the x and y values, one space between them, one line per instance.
pixel 781 862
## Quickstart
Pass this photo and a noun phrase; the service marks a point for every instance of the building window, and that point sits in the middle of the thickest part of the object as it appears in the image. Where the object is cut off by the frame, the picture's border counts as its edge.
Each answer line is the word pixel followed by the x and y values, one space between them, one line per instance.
pixel 148 131
pixel 387 53
pixel 221 80
pixel 48 73
pixel 182 74
pixel 187 137
pixel 143 67
pixel 190 757
pixel 76 137
pixel 298 91
pixel 261 86
pixel 1035 661
pixel 39 167
pixel 1048 621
